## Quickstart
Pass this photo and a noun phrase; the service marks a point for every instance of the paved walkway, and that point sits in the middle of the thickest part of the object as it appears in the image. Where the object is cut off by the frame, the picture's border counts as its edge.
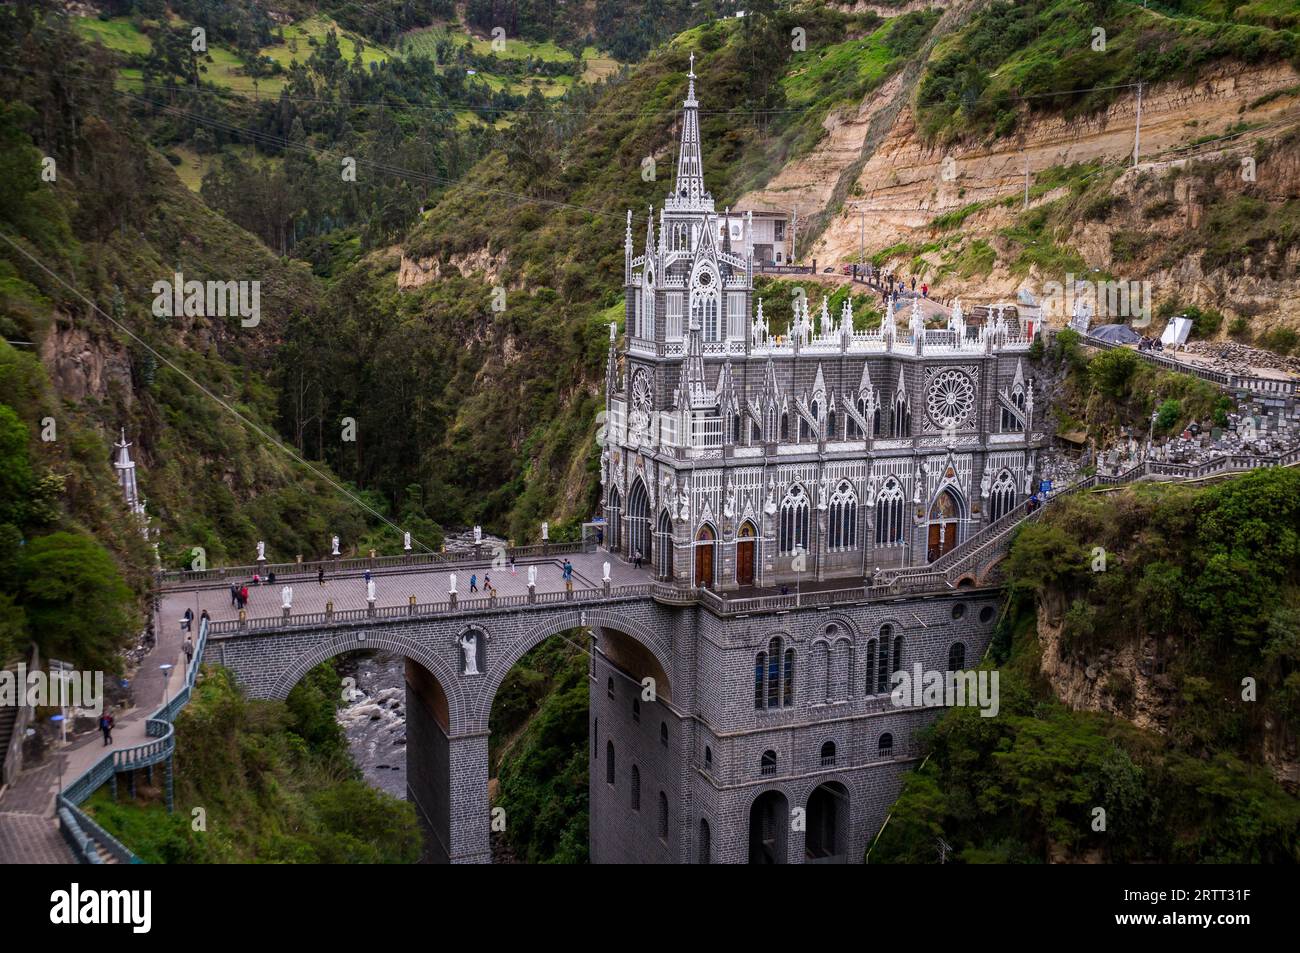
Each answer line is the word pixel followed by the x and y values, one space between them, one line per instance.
pixel 29 832
pixel 395 587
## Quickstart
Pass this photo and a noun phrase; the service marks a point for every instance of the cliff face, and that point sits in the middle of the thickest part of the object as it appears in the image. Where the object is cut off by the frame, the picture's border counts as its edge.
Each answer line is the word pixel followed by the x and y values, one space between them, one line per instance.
pixel 1123 682
pixel 906 183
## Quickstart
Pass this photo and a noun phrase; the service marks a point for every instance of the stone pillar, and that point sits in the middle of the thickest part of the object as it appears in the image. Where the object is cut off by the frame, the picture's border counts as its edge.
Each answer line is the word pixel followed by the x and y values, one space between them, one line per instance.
pixel 470 815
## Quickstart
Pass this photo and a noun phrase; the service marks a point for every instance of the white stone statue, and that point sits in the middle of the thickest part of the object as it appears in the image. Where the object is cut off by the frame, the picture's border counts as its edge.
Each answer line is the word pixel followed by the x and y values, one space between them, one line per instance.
pixel 532 576
pixel 469 646
pixel 729 506
pixel 286 597
pixel 986 484
pixel 684 505
pixel 770 506
pixel 370 590
pixel 871 492
pixel 334 542
pixel 546 531
pixel 261 550
pixel 824 494
pixel 406 542
pixel 916 495
pixel 478 535
pixel 606 576
pixel 451 586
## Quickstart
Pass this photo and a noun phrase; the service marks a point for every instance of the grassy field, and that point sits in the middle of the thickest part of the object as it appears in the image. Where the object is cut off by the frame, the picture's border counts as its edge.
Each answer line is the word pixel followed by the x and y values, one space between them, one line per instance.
pixel 227 67
pixel 845 67
pixel 118 33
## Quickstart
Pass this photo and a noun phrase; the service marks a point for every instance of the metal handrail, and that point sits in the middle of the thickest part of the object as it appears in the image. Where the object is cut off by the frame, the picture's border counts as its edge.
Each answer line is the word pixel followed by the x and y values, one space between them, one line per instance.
pixel 77 827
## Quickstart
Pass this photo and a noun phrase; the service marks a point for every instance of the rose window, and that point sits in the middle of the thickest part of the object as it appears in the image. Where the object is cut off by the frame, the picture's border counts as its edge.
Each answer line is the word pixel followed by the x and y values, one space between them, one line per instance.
pixel 642 400
pixel 950 399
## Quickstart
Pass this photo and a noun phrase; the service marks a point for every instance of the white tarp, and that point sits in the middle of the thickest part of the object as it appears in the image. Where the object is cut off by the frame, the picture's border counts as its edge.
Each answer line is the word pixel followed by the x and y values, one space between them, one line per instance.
pixel 1176 332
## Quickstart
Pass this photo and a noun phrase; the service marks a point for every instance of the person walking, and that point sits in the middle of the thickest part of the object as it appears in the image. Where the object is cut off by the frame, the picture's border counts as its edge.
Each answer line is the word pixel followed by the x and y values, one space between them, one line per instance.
pixel 367 575
pixel 189 651
pixel 320 576
pixel 187 620
pixel 234 595
pixel 914 282
pixel 243 597
pixel 473 582
pixel 925 291
pixel 204 617
pixel 106 726
pixel 636 559
pixel 513 571
pixel 567 571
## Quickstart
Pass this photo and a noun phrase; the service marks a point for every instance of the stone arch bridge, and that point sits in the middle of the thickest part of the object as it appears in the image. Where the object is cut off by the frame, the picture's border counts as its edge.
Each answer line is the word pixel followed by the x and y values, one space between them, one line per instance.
pixel 688 743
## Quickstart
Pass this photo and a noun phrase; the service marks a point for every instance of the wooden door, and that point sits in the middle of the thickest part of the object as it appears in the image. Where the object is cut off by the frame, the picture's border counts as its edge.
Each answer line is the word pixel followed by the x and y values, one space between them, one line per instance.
pixel 745 562
pixel 943 537
pixel 703 565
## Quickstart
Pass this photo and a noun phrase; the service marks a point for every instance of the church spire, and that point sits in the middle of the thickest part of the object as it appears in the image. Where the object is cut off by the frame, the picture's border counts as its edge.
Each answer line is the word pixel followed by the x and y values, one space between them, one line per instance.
pixel 690 162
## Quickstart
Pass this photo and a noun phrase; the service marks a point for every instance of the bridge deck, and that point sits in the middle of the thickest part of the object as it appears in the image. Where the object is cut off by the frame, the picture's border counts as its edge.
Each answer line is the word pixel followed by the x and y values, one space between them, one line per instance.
pixel 347 590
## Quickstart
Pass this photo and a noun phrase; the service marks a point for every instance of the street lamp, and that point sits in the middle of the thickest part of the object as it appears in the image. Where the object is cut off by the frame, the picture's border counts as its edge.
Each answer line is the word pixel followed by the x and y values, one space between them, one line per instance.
pixel 62 723
pixel 166 670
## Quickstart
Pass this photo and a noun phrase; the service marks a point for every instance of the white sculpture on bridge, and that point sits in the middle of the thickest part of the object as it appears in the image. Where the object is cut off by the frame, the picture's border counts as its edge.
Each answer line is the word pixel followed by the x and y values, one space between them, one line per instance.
pixel 546 531
pixel 334 541
pixel 606 577
pixel 532 576
pixel 469 646
pixel 286 597
pixel 451 586
pixel 406 542
pixel 478 534
pixel 370 590
pixel 261 550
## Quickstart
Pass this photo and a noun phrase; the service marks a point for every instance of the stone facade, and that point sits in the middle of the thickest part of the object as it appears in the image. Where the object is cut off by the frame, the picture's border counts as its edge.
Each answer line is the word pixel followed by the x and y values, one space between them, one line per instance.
pixel 735 456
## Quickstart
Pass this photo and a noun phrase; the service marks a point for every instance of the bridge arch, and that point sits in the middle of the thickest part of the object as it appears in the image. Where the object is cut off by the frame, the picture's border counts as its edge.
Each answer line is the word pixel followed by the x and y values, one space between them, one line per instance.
pixel 377 641
pixel 562 622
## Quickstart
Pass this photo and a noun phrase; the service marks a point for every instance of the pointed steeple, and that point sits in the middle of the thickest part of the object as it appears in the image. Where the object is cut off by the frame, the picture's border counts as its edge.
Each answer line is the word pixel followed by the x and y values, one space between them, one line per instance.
pixel 125 468
pixel 689 187
pixel 650 234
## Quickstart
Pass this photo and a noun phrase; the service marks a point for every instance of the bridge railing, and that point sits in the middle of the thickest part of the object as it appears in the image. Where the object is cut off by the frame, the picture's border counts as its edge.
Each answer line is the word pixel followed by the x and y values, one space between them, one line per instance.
pixel 448 607
pixel 78 828
pixel 294 570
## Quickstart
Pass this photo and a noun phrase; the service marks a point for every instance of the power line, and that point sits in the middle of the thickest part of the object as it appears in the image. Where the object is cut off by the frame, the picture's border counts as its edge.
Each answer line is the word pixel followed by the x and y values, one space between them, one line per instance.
pixel 269 438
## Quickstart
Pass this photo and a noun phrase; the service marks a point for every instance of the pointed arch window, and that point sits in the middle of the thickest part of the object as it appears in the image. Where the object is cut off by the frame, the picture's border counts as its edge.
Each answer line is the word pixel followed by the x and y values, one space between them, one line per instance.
pixel 794 521
pixel 883 670
pixel 774 676
pixel 843 517
pixel 663 547
pixel 902 416
pixel 889 514
pixel 785 425
pixel 1010 422
pixel 1002 496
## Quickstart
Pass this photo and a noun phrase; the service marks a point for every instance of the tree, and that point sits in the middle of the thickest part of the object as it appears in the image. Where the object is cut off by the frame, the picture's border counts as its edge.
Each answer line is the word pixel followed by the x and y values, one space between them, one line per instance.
pixel 78 607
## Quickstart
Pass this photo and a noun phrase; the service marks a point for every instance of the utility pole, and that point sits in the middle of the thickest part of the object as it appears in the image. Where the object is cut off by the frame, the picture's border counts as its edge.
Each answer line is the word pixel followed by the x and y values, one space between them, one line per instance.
pixel 862 234
pixel 794 236
pixel 1137 127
